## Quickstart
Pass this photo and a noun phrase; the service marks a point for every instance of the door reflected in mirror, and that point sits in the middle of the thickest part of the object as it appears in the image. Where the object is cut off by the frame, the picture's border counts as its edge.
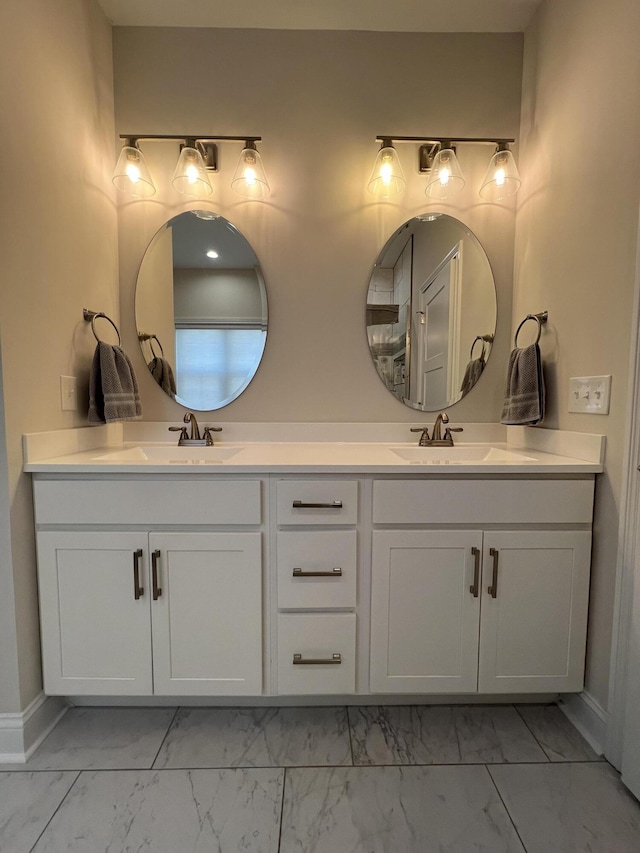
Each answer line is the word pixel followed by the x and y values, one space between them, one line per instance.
pixel 201 310
pixel 431 312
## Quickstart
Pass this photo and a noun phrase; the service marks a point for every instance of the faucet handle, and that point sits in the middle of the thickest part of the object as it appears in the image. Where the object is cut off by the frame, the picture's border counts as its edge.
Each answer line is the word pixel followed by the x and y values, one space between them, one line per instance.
pixel 207 434
pixel 423 430
pixel 181 430
pixel 449 430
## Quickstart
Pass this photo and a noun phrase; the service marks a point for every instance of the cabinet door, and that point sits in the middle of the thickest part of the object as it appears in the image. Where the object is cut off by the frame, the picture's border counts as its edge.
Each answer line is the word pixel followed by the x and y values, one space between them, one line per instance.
pixel 425 611
pixel 207 613
pixel 96 635
pixel 533 632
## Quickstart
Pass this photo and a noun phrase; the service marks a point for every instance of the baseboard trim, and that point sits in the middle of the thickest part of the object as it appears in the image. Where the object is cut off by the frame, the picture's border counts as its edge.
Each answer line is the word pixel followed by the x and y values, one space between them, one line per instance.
pixel 21 734
pixel 589 718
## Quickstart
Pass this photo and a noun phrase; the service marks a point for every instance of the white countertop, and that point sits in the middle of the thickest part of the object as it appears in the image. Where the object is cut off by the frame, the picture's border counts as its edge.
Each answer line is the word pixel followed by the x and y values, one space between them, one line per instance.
pixel 315 457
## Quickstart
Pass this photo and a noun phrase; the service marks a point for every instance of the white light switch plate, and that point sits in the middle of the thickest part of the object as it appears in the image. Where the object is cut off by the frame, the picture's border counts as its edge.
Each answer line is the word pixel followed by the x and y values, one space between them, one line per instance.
pixel 590 394
pixel 68 393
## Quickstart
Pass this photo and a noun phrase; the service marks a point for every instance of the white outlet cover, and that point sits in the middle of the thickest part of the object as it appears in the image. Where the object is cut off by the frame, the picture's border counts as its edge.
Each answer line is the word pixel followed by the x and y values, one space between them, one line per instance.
pixel 68 393
pixel 590 395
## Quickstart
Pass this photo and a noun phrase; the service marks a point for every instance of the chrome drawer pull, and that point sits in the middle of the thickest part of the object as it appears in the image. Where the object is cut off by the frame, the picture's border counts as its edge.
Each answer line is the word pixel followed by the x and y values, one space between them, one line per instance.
pixel 336 658
pixel 138 589
pixel 474 589
pixel 493 589
pixel 330 505
pixel 157 589
pixel 336 572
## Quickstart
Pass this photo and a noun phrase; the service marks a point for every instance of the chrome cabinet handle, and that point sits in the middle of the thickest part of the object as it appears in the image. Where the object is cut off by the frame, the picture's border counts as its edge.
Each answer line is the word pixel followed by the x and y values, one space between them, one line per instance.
pixel 336 572
pixel 329 505
pixel 138 590
pixel 474 589
pixel 155 559
pixel 298 659
pixel 493 589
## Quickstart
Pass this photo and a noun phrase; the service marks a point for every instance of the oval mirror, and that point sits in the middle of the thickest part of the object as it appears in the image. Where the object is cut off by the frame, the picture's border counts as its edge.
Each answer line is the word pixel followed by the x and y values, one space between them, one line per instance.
pixel 431 312
pixel 201 310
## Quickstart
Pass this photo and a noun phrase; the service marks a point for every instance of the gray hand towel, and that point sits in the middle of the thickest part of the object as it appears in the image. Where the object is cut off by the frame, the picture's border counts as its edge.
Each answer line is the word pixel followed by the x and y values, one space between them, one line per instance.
pixel 472 373
pixel 524 395
pixel 113 387
pixel 162 372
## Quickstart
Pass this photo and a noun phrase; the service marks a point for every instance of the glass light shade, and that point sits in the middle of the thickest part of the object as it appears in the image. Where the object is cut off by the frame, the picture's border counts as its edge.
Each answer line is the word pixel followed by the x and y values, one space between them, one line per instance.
pixel 502 178
pixel 387 177
pixel 249 179
pixel 131 174
pixel 190 177
pixel 445 178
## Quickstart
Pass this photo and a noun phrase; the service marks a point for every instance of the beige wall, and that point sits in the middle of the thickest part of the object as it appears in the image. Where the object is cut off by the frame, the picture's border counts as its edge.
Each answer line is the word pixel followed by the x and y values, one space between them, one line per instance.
pixel 576 239
pixel 318 99
pixel 58 250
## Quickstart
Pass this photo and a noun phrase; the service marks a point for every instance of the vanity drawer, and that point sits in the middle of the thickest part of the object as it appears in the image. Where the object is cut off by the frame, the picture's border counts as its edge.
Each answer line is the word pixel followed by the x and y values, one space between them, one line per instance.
pixel 317 569
pixel 175 501
pixel 317 502
pixel 317 637
pixel 449 501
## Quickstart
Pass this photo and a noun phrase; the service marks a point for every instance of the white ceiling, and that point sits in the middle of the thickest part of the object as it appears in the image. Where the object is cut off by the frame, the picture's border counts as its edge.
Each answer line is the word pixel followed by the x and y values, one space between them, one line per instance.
pixel 378 15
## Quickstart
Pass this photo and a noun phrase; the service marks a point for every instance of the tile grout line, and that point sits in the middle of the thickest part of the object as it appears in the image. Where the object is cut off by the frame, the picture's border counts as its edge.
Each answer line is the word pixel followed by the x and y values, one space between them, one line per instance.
pixel 166 734
pixel 533 735
pixel 284 782
pixel 353 762
pixel 57 809
pixel 513 823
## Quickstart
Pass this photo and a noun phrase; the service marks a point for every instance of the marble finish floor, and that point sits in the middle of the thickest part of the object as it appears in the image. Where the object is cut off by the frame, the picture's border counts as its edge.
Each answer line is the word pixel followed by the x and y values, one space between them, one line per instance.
pixel 375 779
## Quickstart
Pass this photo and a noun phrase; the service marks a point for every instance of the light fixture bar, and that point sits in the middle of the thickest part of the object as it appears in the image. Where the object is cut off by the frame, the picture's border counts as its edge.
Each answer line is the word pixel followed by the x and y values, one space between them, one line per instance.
pixel 134 137
pixel 441 139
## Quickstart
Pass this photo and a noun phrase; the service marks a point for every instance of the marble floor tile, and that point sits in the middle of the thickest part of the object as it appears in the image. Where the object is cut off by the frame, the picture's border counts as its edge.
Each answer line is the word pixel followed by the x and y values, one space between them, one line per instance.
pixel 257 737
pixel 28 801
pixel 570 808
pixel 399 809
pixel 555 734
pixel 103 739
pixel 171 811
pixel 440 734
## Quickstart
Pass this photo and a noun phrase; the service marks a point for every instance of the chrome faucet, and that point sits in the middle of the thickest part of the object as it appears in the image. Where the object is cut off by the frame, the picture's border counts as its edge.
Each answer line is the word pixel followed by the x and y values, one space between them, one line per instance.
pixel 195 432
pixel 196 440
pixel 443 418
pixel 437 439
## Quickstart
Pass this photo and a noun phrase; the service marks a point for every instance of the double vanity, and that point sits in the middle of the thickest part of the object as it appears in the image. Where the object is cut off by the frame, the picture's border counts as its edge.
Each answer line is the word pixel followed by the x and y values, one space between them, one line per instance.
pixel 336 561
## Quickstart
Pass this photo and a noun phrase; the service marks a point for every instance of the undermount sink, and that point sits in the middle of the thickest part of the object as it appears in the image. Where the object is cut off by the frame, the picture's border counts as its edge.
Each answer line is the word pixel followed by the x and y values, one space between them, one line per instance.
pixel 171 454
pixel 459 454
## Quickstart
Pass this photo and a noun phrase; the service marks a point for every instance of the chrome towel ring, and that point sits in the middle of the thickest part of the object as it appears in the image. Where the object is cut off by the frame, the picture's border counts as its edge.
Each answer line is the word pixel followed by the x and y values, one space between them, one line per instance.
pixel 540 319
pixel 92 316
pixel 484 339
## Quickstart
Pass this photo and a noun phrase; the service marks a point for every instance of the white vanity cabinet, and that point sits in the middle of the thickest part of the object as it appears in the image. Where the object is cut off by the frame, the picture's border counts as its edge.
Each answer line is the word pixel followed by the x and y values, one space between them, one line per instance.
pixel 139 612
pixel 488 611
pixel 313 584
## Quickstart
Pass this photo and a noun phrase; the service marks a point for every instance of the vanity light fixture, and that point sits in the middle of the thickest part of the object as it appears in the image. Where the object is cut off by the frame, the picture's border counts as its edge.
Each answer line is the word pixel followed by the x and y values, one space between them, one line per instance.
pixel 131 174
pixel 212 254
pixel 249 179
pixel 437 158
pixel 190 176
pixel 445 175
pixel 502 178
pixel 387 178
pixel 198 159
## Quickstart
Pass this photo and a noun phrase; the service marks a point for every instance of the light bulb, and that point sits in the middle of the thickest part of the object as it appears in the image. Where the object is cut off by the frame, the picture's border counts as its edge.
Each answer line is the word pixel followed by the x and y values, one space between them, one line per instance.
pixel 131 175
pixel 386 178
pixel 502 178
